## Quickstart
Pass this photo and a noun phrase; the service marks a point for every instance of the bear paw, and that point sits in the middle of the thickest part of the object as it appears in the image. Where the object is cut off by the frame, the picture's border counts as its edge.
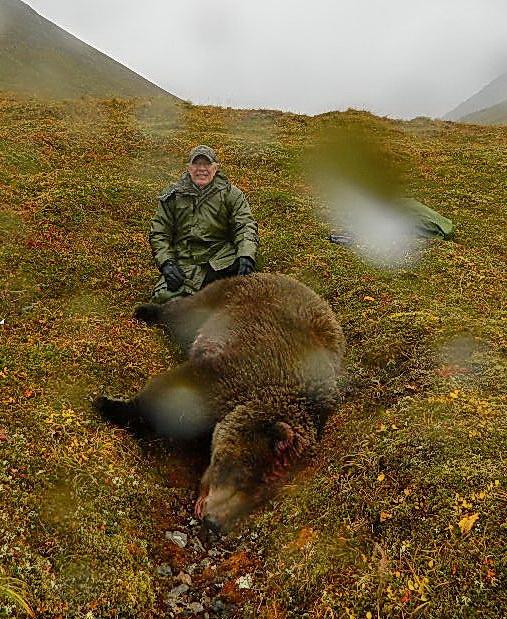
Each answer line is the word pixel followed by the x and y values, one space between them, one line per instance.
pixel 150 313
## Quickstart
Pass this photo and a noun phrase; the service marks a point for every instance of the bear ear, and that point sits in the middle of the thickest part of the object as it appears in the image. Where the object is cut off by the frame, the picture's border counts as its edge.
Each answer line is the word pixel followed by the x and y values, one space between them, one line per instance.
pixel 288 445
pixel 282 431
pixel 284 437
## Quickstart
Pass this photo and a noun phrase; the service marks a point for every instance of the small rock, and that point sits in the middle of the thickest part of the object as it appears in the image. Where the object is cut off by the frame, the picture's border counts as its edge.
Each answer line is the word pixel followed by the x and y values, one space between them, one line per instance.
pixel 177 537
pixel 2 322
pixel 213 552
pixel 245 582
pixel 164 570
pixel 191 568
pixel 218 606
pixel 193 522
pixel 186 579
pixel 198 545
pixel 196 607
pixel 178 591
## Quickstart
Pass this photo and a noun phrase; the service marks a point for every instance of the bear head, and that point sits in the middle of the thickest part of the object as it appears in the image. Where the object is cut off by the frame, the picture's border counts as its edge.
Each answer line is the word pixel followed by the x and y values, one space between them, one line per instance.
pixel 249 455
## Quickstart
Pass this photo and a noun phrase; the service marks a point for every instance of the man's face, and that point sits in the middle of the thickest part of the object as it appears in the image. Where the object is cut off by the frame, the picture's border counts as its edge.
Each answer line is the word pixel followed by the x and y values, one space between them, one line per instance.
pixel 202 171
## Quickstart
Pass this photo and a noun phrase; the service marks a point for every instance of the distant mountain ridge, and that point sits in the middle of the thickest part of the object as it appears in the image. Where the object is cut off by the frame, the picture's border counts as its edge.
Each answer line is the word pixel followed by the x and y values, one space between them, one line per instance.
pixel 38 58
pixel 492 95
pixel 494 115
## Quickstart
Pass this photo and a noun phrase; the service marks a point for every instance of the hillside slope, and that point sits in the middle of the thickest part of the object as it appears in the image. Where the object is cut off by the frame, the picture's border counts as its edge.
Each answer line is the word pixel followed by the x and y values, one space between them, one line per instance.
pixel 495 115
pixel 403 511
pixel 492 94
pixel 38 58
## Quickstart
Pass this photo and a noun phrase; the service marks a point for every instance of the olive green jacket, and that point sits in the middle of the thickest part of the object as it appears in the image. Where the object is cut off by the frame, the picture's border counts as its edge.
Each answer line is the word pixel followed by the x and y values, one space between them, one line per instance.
pixel 195 227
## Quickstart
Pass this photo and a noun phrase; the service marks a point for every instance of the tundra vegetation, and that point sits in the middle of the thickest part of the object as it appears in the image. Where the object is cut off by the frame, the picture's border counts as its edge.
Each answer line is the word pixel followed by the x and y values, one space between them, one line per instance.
pixel 403 511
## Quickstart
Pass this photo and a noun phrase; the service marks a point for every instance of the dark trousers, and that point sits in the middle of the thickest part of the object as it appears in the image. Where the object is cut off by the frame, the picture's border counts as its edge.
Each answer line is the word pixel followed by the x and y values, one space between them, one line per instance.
pixel 212 275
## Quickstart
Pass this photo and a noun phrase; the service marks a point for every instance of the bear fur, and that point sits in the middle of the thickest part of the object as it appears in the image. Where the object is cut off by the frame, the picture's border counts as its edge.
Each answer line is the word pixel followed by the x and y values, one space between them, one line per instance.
pixel 263 369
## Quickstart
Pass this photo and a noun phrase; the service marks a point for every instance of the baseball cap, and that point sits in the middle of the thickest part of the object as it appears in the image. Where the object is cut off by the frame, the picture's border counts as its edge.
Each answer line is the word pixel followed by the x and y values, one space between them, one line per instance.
pixel 204 151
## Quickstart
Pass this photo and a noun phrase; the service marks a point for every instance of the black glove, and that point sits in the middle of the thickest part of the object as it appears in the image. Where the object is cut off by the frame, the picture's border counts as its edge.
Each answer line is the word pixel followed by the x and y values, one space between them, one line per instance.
pixel 246 266
pixel 174 276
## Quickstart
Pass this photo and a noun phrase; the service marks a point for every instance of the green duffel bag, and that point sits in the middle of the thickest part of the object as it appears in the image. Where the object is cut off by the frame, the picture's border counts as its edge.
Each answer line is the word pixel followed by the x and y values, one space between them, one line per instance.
pixel 428 223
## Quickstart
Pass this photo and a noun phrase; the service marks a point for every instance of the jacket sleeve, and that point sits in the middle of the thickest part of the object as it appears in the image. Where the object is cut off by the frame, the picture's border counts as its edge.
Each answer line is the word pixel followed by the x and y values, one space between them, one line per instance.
pixel 243 226
pixel 162 230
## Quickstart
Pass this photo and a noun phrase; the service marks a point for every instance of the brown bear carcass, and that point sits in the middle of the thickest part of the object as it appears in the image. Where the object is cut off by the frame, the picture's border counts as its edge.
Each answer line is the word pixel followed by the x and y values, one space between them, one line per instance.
pixel 263 368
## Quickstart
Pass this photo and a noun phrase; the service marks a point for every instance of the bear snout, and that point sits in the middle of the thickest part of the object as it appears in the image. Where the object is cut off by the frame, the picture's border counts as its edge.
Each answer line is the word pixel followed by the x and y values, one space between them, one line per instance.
pixel 224 507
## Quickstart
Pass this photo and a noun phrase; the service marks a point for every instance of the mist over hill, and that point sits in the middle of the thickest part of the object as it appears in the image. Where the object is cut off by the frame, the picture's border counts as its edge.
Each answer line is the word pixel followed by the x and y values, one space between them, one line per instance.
pixel 492 95
pixel 38 58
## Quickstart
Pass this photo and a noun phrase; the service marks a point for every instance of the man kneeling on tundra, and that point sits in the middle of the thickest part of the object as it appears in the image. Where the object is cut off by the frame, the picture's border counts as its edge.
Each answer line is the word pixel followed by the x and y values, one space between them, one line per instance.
pixel 203 230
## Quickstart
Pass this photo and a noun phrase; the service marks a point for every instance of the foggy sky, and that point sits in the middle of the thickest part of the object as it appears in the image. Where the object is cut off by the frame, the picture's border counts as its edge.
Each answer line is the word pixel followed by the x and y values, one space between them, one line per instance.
pixel 401 58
